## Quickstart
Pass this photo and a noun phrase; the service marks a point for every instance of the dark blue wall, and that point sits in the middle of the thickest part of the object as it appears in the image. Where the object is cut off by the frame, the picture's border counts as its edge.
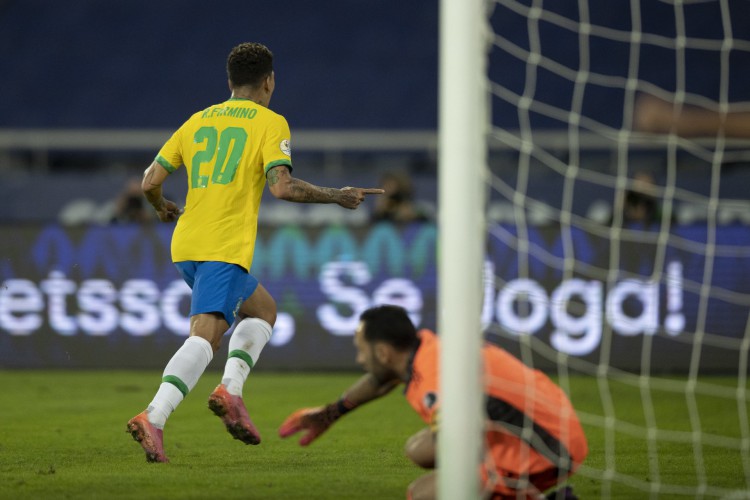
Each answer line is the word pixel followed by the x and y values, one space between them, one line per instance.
pixel 340 63
pixel 142 63
pixel 699 70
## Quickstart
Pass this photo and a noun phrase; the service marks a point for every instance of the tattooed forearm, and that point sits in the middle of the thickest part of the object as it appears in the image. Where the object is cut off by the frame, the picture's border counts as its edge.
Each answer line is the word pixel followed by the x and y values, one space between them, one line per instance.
pixel 303 192
pixel 288 188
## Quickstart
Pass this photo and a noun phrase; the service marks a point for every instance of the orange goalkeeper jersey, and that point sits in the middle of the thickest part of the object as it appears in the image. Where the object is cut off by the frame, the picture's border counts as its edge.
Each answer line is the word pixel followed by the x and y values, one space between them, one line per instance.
pixel 517 397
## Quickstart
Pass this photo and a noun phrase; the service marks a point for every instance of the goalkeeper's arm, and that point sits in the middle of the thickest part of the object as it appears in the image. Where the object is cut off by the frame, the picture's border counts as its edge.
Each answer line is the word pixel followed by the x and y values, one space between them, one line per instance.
pixel 317 420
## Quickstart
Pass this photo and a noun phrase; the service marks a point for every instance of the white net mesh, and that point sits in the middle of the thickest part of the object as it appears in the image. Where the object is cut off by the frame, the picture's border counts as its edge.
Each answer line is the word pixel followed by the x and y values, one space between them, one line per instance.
pixel 619 244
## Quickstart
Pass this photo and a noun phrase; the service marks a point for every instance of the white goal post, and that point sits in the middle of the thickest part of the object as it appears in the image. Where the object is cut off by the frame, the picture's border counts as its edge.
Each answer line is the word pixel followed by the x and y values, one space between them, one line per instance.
pixel 461 222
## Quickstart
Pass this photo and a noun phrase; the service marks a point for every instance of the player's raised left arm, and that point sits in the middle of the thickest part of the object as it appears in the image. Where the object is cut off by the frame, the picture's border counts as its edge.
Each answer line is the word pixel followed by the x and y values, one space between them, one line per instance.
pixel 285 187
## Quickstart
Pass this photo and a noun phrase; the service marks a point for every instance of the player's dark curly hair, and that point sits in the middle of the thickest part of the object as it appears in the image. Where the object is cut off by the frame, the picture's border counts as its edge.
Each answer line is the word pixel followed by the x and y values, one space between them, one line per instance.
pixel 249 64
pixel 389 324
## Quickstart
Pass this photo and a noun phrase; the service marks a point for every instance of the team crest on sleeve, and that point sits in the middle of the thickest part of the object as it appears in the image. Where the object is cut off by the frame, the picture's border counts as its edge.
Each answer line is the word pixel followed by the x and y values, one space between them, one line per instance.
pixel 429 400
pixel 285 147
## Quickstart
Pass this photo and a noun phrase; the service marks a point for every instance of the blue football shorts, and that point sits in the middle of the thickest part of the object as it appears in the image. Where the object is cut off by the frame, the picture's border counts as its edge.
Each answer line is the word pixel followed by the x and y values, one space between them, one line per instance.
pixel 218 287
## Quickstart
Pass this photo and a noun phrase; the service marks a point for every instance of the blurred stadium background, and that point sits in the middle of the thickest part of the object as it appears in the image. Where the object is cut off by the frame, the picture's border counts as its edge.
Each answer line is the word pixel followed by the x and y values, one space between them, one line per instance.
pixel 90 92
pixel 92 89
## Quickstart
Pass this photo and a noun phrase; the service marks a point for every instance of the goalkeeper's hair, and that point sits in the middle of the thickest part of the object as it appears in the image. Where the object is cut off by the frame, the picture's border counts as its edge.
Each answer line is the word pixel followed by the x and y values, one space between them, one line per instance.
pixel 389 324
pixel 249 64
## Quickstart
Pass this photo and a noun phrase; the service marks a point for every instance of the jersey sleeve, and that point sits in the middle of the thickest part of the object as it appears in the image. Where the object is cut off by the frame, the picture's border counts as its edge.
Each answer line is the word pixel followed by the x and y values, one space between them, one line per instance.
pixel 423 391
pixel 276 148
pixel 170 155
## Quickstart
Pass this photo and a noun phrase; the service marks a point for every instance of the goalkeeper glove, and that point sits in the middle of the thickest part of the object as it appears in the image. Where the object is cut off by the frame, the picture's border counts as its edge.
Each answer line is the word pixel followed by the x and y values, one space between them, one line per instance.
pixel 314 420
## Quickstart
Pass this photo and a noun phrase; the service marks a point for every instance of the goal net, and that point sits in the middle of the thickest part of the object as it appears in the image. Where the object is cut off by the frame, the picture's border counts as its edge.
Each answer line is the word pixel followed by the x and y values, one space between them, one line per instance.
pixel 618 244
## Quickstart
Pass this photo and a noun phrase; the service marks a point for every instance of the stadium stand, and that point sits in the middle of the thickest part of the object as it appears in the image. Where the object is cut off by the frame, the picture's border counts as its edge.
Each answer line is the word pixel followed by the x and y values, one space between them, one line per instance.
pixel 108 79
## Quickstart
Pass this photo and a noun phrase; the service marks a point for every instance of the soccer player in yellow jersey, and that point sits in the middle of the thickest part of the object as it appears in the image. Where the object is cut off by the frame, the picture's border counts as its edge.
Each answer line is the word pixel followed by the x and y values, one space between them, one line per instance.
pixel 230 150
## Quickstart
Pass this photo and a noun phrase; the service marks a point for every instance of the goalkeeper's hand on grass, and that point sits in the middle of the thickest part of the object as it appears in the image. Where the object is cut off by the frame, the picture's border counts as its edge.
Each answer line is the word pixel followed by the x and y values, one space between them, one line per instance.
pixel 313 420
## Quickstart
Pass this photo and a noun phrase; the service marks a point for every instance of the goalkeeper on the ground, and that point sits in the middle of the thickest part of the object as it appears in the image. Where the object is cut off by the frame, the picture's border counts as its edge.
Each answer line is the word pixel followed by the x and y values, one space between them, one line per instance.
pixel 533 439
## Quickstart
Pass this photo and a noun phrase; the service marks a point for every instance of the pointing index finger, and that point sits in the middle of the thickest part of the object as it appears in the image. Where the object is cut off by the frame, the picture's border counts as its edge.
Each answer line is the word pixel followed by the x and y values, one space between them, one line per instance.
pixel 373 191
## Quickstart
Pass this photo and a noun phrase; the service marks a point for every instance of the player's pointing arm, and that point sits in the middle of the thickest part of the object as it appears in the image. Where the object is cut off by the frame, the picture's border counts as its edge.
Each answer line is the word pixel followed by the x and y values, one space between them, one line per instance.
pixel 285 187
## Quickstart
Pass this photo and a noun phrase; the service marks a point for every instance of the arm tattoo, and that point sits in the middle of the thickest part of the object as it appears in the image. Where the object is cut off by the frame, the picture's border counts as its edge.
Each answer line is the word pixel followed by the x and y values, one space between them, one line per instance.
pixel 304 192
pixel 298 190
pixel 273 176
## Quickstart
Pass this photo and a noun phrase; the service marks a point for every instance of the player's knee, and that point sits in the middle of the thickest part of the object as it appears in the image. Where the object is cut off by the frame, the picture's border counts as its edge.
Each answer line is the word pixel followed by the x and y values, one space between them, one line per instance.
pixel 259 305
pixel 210 326
pixel 422 488
pixel 268 314
pixel 419 458
pixel 212 338
pixel 216 344
pixel 420 448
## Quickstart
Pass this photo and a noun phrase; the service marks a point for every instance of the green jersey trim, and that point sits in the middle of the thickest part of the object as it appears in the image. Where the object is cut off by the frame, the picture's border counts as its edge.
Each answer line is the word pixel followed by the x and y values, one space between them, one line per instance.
pixel 164 163
pixel 276 164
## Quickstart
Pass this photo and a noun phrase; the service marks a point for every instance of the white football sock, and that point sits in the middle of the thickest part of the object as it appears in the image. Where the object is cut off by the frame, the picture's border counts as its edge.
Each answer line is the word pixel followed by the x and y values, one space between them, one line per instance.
pixel 247 341
pixel 180 376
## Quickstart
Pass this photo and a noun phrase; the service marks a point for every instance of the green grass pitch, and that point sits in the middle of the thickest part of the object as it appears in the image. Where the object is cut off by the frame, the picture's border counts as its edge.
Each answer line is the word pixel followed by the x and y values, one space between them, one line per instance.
pixel 62 435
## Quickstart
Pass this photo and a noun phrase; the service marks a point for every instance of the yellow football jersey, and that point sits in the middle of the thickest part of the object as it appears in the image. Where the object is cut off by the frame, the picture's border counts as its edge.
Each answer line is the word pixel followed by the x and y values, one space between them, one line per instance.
pixel 227 150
